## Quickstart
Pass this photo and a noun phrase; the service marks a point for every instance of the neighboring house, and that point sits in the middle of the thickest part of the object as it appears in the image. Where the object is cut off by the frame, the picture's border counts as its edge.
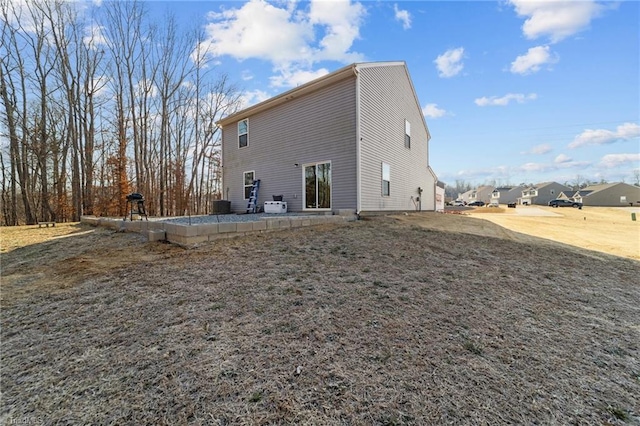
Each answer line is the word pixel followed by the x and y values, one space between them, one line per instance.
pixel 574 195
pixel 465 196
pixel 354 140
pixel 611 195
pixel 482 193
pixel 506 194
pixel 542 193
pixel 440 196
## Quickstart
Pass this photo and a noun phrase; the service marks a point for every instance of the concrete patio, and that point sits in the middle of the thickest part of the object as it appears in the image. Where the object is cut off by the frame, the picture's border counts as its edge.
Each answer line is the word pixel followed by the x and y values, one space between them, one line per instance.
pixel 208 228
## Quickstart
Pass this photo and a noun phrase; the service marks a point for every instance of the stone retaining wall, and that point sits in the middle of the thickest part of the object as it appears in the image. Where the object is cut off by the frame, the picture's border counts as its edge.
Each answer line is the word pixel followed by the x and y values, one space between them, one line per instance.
pixel 188 235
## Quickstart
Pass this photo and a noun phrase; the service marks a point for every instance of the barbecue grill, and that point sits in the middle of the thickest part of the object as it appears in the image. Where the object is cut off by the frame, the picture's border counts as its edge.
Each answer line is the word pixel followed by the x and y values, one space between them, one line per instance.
pixel 135 205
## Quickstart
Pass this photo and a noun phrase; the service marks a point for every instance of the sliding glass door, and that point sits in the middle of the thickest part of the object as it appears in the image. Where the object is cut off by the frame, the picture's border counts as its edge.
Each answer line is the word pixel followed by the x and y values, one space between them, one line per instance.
pixel 317 186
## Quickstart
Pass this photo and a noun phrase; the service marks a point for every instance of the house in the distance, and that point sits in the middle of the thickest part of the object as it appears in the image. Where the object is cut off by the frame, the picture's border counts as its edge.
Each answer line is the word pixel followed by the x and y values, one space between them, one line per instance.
pixel 541 193
pixel 606 195
pixel 481 193
pixel 506 194
pixel 353 141
pixel 573 195
pixel 440 196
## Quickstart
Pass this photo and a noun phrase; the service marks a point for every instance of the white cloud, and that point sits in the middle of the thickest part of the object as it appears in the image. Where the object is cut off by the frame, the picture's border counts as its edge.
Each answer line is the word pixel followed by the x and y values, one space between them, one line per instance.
pixel 293 78
pixel 555 19
pixel 432 111
pixel 246 75
pixel 94 36
pixel 341 20
pixel 539 149
pixel 561 162
pixel 253 97
pixel 146 87
pixel 450 63
pixel 100 86
pixel 289 37
pixel 615 160
pixel 505 100
pixel 403 16
pixel 624 132
pixel 531 61
pixel 562 158
pixel 537 167
pixel 259 30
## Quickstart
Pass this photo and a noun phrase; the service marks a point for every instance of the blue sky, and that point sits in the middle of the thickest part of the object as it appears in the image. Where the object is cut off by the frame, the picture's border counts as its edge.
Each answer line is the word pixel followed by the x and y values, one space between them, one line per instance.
pixel 512 91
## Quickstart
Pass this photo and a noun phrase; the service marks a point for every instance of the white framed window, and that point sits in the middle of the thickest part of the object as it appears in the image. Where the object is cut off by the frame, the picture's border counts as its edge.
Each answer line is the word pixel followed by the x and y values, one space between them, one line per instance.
pixel 248 178
pixel 386 180
pixel 243 133
pixel 407 134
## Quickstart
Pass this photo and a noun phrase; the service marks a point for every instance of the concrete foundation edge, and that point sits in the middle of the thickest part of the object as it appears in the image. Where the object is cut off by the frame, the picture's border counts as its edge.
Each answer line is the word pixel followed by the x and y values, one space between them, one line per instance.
pixel 191 235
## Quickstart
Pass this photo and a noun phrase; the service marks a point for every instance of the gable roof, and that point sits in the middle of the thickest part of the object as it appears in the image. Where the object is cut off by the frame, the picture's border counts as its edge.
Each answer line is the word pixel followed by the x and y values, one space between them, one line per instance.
pixel 543 184
pixel 573 193
pixel 600 187
pixel 312 86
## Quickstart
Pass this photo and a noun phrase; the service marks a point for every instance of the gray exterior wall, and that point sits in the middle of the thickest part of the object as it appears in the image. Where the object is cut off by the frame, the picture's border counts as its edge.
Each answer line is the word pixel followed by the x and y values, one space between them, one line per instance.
pixel 483 193
pixel 510 194
pixel 314 127
pixel 386 99
pixel 610 196
pixel 547 192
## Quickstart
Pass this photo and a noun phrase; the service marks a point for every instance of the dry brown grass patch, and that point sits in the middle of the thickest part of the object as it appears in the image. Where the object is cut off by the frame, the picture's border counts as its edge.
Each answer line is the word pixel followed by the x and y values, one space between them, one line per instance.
pixel 379 322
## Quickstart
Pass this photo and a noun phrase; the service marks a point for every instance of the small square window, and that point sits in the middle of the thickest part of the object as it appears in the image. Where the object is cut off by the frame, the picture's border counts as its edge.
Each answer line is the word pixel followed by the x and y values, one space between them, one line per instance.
pixel 243 133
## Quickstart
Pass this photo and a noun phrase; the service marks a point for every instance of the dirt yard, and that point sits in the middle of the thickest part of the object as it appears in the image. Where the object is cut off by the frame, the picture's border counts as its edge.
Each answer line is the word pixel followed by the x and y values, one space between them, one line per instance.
pixel 603 229
pixel 416 319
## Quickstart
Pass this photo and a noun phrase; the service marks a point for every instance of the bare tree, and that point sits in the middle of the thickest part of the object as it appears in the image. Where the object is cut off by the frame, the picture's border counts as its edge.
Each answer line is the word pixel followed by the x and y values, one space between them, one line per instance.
pixel 13 90
pixel 71 150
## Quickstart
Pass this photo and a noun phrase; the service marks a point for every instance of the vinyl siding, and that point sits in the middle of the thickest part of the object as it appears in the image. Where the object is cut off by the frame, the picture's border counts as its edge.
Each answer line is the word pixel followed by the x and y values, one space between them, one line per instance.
pixel 386 100
pixel 610 196
pixel 549 192
pixel 315 127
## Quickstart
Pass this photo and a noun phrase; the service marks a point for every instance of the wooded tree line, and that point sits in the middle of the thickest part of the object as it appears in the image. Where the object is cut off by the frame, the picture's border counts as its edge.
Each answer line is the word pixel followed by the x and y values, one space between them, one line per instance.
pixel 100 102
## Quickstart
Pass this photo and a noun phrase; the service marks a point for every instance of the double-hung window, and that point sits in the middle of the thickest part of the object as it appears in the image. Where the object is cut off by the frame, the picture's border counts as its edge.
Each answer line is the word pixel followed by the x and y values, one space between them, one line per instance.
pixel 386 180
pixel 243 133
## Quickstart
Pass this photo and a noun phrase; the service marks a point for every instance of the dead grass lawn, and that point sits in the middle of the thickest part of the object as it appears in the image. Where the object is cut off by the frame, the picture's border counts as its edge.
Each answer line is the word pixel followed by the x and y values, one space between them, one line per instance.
pixel 603 229
pixel 379 322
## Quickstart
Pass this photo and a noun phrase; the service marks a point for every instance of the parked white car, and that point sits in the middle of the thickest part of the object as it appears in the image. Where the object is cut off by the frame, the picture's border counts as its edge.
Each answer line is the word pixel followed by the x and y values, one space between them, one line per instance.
pixel 458 203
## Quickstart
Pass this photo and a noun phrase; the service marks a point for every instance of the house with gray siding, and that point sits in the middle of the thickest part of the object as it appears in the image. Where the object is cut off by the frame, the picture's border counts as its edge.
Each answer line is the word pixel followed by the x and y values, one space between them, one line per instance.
pixel 617 194
pixel 573 195
pixel 542 193
pixel 354 140
pixel 481 193
pixel 506 194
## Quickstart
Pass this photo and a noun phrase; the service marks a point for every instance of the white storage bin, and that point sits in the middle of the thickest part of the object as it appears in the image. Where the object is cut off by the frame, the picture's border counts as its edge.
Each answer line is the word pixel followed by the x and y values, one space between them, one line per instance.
pixel 275 206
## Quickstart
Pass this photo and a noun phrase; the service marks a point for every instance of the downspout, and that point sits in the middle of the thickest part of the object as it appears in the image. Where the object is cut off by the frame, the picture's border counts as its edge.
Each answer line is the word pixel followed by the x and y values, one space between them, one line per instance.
pixel 358 140
pixel 221 165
